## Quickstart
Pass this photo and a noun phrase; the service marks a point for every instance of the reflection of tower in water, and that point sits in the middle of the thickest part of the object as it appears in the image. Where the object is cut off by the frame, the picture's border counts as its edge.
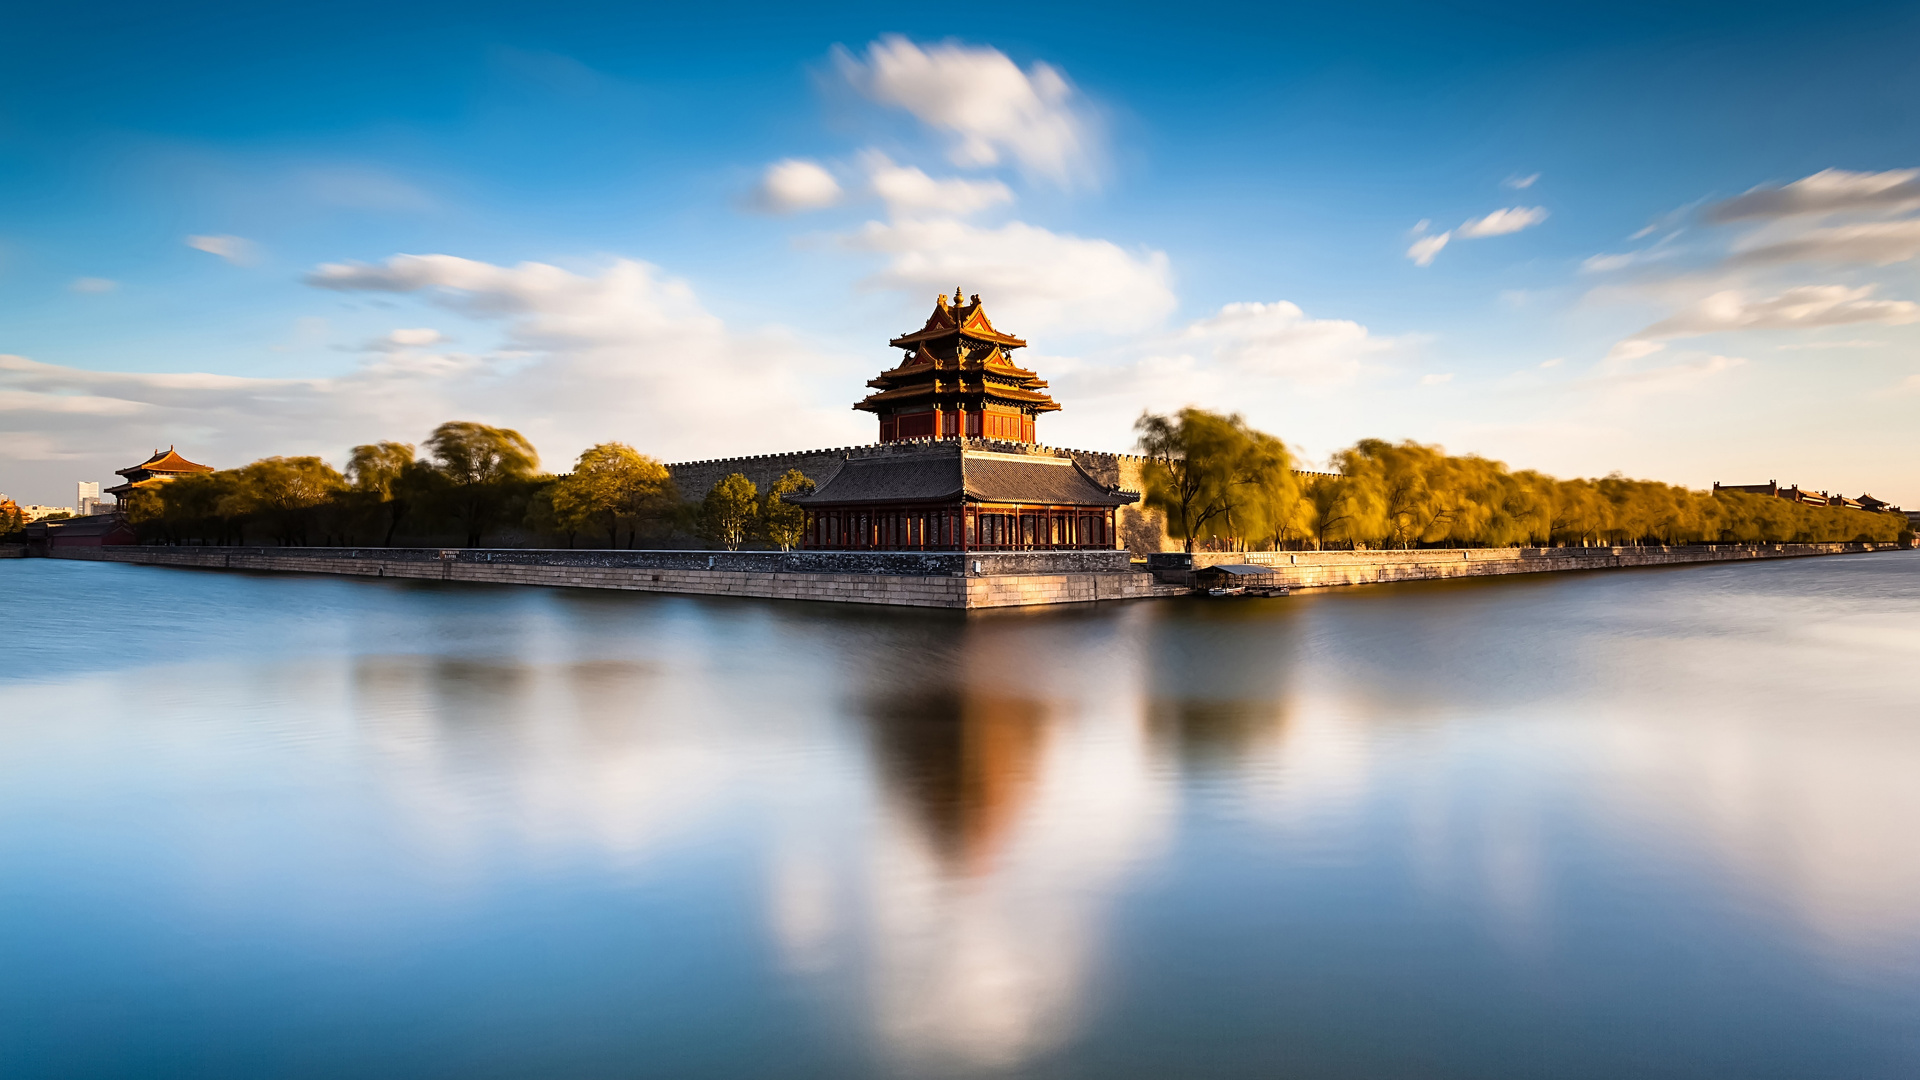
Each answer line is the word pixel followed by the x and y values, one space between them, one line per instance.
pixel 963 765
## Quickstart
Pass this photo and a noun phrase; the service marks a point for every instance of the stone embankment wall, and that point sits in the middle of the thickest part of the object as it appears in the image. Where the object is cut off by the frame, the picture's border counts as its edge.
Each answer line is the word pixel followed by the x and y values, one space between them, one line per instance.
pixel 911 579
pixel 1320 569
pixel 924 579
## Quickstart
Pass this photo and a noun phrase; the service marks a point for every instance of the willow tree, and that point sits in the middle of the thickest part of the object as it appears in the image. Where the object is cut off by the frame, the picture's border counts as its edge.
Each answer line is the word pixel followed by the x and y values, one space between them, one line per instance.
pixel 285 494
pixel 1268 499
pixel 1193 460
pixel 612 485
pixel 482 468
pixel 380 472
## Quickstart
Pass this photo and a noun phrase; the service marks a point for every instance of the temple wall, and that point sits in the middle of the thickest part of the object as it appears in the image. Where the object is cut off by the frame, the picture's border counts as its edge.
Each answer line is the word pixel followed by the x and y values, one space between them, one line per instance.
pixel 1141 531
pixel 696 478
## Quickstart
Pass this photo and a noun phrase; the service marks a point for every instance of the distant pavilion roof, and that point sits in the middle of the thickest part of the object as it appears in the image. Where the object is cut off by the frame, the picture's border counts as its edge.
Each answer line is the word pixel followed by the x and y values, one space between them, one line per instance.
pixel 165 461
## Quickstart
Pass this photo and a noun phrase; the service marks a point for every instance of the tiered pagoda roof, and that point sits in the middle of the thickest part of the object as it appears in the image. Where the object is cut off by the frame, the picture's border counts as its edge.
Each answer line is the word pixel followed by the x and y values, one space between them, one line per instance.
pixel 164 465
pixel 957 360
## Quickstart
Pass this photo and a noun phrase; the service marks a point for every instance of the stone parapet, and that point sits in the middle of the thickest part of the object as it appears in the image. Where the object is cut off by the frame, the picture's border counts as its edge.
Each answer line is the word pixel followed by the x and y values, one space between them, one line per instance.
pixel 1321 569
pixel 921 579
pixel 911 579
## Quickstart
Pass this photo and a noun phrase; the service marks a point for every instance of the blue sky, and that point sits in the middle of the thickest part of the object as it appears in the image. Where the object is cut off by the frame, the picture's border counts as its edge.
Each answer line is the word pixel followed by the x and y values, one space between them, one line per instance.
pixel 255 229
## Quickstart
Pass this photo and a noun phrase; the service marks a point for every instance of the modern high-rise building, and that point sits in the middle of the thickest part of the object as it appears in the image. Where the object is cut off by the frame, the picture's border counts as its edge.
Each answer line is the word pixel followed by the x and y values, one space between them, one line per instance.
pixel 86 498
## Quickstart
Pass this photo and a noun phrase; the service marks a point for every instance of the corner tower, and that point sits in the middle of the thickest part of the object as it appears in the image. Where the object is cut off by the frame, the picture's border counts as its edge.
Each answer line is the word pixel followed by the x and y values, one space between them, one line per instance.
pixel 956 380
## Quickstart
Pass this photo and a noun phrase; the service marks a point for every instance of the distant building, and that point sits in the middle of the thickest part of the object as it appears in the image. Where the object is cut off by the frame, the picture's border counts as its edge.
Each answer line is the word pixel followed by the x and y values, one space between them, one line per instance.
pixel 1795 493
pixel 1771 488
pixel 100 530
pixel 164 466
pixel 86 498
pixel 35 512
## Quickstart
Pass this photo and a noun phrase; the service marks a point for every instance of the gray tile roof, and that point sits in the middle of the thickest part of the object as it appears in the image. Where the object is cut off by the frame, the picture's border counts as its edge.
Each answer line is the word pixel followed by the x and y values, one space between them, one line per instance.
pixel 944 474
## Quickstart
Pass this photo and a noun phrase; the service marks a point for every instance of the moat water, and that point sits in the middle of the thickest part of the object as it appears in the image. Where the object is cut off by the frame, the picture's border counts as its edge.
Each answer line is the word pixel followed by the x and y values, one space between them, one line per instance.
pixel 1655 823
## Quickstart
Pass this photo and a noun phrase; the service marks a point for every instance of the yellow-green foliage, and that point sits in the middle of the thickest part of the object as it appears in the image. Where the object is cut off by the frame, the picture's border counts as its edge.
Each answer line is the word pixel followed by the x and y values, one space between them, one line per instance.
pixel 728 512
pixel 785 523
pixel 613 485
pixel 1221 481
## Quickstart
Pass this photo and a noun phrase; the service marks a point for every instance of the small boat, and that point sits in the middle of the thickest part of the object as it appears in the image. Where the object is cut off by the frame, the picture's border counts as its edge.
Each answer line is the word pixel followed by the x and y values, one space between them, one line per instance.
pixel 1238 579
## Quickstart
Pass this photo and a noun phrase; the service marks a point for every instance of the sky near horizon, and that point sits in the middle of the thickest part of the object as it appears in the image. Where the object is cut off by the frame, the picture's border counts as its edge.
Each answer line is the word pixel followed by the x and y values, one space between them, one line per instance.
pixel 1677 241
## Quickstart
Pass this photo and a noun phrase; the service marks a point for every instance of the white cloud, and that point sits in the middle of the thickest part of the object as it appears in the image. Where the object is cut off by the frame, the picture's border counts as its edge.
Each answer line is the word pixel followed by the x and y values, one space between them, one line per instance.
pixel 93 285
pixel 1620 376
pixel 1825 192
pixel 1855 343
pixel 1625 352
pixel 1498 223
pixel 1599 264
pixel 1553 363
pixel 1662 248
pixel 1032 279
pixel 983 99
pixel 1424 249
pixel 237 250
pixel 1501 222
pixel 1436 378
pixel 409 338
pixel 622 353
pixel 1878 243
pixel 1250 356
pixel 1802 307
pixel 907 190
pixel 1520 183
pixel 1278 339
pixel 795 184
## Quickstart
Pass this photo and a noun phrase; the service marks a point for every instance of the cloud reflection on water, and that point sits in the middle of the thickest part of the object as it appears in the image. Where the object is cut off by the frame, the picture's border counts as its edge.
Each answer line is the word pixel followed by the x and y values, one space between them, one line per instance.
pixel 947 826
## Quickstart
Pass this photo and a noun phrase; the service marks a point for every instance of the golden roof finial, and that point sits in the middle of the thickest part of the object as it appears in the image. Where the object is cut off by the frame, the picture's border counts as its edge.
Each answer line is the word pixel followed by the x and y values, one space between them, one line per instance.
pixel 956 296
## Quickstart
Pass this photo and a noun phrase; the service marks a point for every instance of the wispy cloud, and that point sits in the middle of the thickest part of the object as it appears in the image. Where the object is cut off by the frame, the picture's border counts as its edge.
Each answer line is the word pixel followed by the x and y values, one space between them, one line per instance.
pixel 991 108
pixel 1854 343
pixel 364 188
pixel 1803 307
pixel 1501 222
pixel 237 250
pixel 1520 183
pixel 93 285
pixel 1875 243
pixel 1423 250
pixel 1825 192
pixel 1608 262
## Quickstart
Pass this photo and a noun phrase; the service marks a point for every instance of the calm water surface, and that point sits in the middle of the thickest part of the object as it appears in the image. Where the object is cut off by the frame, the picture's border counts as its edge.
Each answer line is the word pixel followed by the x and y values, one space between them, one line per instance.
pixel 1647 823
